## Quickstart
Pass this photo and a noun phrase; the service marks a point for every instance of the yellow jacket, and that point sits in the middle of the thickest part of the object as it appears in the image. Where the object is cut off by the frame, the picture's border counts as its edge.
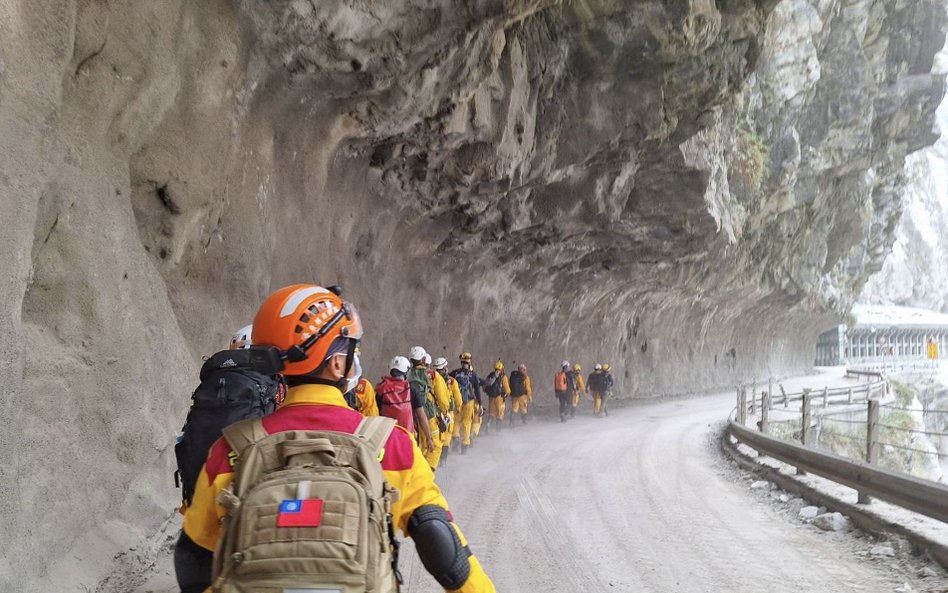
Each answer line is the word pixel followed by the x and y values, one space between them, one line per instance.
pixel 365 398
pixel 442 397
pixel 528 386
pixel 580 382
pixel 322 407
pixel 455 390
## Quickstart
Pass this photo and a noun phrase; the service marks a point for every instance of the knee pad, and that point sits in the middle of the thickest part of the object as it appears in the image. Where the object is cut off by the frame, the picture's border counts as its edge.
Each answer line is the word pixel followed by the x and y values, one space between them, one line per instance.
pixel 439 546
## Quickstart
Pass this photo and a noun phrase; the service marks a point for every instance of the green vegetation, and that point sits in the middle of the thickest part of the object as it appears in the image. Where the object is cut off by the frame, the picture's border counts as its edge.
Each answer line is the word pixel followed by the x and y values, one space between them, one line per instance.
pixel 904 393
pixel 747 162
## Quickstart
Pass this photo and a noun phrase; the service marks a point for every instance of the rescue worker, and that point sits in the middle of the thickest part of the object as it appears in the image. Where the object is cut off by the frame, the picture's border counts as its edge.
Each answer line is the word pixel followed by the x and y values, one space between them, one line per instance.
pixel 397 399
pixel 430 437
pixel 563 388
pixel 498 389
pixel 579 386
pixel 597 387
pixel 439 424
pixel 607 395
pixel 218 401
pixel 362 398
pixel 455 402
pixel 470 386
pixel 319 365
pixel 521 393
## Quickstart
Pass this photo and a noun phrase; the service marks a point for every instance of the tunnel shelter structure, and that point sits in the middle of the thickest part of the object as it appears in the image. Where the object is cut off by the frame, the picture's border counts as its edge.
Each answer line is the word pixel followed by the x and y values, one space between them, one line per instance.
pixel 883 334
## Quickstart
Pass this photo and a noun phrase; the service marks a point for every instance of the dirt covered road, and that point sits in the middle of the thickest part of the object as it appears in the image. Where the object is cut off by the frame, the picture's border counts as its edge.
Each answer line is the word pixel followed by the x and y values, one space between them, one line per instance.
pixel 641 501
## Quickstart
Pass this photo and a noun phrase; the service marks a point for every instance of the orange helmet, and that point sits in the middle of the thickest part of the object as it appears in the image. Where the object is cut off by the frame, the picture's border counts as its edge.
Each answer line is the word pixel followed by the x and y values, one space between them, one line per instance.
pixel 303 320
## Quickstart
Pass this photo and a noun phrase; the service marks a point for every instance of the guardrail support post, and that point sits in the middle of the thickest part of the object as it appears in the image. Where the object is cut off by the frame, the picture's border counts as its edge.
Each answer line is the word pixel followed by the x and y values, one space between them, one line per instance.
pixel 786 400
pixel 849 397
pixel 741 405
pixel 764 411
pixel 825 397
pixel 753 402
pixel 872 441
pixel 770 392
pixel 805 423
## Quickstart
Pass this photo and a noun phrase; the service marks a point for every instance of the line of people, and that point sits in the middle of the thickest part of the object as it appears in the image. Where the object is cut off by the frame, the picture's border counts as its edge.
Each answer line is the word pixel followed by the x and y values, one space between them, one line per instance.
pixel 569 386
pixel 286 487
pixel 443 409
pixel 284 390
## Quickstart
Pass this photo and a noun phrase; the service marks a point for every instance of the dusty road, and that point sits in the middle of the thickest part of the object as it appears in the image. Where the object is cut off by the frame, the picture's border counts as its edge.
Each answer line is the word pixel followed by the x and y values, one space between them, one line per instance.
pixel 641 501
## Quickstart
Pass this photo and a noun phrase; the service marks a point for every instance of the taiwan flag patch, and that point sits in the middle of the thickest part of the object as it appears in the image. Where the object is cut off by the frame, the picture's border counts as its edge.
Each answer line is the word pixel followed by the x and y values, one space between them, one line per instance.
pixel 300 513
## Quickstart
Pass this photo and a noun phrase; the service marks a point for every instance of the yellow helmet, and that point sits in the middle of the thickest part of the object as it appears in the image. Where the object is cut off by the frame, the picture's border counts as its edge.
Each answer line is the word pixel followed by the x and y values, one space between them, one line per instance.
pixel 605 366
pixel 576 367
pixel 465 357
pixel 499 366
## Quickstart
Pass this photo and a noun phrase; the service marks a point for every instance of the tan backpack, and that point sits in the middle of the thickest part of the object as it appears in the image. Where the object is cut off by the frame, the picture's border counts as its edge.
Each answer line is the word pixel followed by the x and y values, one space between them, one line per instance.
pixel 307 512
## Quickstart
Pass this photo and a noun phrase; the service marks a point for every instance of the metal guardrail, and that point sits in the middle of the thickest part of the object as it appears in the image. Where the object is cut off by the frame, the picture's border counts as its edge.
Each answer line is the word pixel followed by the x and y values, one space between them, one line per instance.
pixel 922 496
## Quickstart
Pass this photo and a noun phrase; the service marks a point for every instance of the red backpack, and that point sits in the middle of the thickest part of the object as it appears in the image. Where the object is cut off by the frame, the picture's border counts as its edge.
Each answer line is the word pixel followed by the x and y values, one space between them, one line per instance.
pixel 394 397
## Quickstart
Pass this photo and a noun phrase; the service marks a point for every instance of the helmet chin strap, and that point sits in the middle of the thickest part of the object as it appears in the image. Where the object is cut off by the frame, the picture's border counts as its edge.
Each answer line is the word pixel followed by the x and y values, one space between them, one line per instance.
pixel 350 358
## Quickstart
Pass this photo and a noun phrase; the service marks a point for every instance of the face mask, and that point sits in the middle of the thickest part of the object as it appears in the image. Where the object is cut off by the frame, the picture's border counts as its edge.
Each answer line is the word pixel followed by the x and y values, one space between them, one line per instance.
pixel 356 375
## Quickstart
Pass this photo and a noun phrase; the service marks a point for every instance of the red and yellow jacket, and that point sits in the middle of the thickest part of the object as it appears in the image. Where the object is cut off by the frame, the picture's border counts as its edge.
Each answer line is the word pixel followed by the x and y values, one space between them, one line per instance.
pixel 365 398
pixel 322 407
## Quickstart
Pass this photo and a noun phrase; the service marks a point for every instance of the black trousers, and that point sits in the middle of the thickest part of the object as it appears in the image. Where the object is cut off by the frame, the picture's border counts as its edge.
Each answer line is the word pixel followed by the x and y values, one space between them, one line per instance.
pixel 565 403
pixel 192 565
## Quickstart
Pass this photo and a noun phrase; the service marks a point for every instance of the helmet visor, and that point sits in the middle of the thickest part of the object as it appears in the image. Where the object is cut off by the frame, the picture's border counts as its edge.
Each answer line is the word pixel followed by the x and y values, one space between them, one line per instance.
pixel 354 328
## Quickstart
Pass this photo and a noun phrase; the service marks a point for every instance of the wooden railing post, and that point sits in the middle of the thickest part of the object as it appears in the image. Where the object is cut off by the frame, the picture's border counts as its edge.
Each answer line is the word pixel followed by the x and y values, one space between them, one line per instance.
pixel 849 397
pixel 764 411
pixel 770 392
pixel 753 402
pixel 825 397
pixel 805 423
pixel 786 400
pixel 872 441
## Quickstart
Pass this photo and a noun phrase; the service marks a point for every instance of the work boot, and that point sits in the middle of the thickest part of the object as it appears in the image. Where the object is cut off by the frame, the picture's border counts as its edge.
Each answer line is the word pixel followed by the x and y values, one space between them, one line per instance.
pixel 464 449
pixel 524 418
pixel 562 417
pixel 572 412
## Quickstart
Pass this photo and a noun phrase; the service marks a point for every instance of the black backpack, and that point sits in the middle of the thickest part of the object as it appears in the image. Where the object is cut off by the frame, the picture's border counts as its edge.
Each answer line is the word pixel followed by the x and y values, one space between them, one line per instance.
pixel 597 381
pixel 494 385
pixel 518 384
pixel 230 390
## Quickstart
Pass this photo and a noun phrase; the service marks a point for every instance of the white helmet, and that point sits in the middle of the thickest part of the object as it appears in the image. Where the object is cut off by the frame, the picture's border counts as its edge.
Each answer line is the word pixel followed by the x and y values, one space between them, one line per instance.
pixel 565 363
pixel 427 358
pixel 417 353
pixel 241 338
pixel 400 363
pixel 441 363
pixel 598 367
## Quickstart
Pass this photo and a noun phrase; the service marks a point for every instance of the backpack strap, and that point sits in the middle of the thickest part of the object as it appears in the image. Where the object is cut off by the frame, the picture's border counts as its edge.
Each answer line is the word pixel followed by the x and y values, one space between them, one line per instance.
pixel 375 430
pixel 241 435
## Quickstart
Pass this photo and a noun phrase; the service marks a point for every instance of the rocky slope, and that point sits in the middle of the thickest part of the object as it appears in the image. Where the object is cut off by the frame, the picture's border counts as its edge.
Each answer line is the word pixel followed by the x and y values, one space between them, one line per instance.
pixel 689 189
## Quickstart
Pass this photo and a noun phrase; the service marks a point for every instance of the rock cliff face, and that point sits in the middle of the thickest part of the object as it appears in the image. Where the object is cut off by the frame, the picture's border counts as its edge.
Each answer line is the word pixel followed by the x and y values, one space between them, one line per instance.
pixel 915 274
pixel 690 190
